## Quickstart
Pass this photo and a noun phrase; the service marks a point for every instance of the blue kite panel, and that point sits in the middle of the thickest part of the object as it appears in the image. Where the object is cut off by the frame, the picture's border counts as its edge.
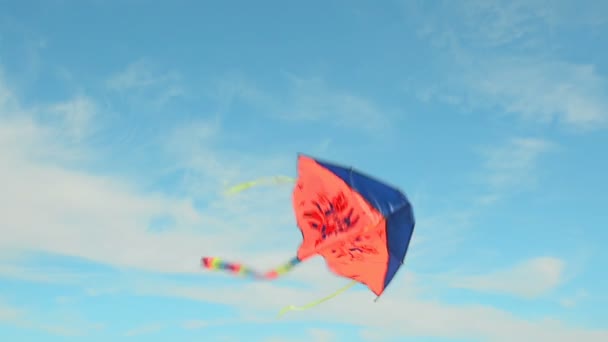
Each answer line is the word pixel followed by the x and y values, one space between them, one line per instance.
pixel 382 197
pixel 399 230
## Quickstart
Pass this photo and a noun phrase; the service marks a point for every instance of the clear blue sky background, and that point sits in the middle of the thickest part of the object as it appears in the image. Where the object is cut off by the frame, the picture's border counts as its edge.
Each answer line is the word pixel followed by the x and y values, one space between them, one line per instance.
pixel 122 122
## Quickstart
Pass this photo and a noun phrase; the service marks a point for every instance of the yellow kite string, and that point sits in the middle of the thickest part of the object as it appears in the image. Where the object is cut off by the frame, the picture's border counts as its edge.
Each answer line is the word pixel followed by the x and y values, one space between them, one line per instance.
pixel 318 301
pixel 276 180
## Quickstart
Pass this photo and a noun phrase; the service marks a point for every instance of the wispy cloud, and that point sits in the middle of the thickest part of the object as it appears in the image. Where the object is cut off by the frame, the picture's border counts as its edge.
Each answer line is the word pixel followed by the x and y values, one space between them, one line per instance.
pixel 8 313
pixel 575 299
pixel 523 75
pixel 69 199
pixel 139 74
pixel 505 22
pixel 310 99
pixel 142 78
pixel 543 91
pixel 41 274
pixel 514 163
pixel 417 317
pixel 314 100
pixel 144 329
pixel 33 156
pixel 23 319
pixel 537 90
pixel 54 202
pixel 529 279
pixel 320 335
pixel 195 324
pixel 76 116
pixel 525 25
pixel 30 45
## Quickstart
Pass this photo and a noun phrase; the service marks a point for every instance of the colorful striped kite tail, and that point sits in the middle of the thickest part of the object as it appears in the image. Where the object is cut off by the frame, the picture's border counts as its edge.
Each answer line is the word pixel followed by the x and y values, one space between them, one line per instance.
pixel 216 264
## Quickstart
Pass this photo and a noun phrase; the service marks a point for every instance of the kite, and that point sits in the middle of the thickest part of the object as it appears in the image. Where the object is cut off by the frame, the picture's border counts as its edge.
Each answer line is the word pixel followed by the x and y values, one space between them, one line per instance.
pixel 361 226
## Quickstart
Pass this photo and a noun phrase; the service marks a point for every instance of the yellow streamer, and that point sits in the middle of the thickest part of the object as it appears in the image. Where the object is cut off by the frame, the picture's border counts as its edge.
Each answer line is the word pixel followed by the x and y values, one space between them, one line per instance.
pixel 316 302
pixel 260 181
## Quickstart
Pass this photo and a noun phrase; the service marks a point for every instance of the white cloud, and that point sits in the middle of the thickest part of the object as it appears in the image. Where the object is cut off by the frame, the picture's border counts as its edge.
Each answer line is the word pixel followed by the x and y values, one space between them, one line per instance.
pixel 195 324
pixel 46 206
pixel 310 100
pixel 321 335
pixel 543 91
pixel 528 25
pixel 76 116
pixel 314 100
pixel 506 21
pixel 460 28
pixel 317 335
pixel 7 98
pixel 529 279
pixel 139 74
pixel 23 136
pixel 100 218
pixel 521 74
pixel 8 313
pixel 67 201
pixel 575 299
pixel 535 90
pixel 145 329
pixel 416 317
pixel 8 269
pixel 209 171
pixel 24 319
pixel 514 163
pixel 487 23
pixel 142 77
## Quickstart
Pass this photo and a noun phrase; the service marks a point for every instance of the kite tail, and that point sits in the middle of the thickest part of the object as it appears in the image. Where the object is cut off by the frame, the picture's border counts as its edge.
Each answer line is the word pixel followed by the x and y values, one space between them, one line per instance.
pixel 318 301
pixel 212 263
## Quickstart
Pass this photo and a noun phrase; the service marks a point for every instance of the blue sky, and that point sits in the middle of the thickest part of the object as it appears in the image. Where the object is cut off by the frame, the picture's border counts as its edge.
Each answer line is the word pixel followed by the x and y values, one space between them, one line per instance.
pixel 122 123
